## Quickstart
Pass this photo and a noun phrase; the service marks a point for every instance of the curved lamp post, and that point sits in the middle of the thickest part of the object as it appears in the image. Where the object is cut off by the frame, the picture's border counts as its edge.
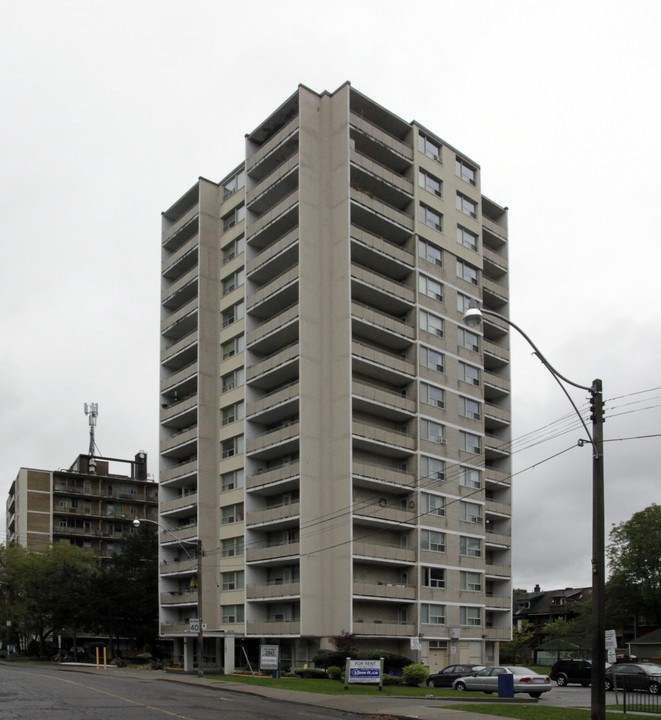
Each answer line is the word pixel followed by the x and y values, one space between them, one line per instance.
pixel 182 543
pixel 473 318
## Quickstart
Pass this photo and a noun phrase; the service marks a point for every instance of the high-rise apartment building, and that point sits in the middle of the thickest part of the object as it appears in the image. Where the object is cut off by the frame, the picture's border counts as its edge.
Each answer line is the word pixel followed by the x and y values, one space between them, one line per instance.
pixel 90 504
pixel 333 437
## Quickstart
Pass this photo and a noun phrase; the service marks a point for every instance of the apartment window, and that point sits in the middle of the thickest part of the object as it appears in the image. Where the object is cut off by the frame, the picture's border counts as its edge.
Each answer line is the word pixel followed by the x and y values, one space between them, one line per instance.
pixel 231 547
pixel 232 347
pixel 469 408
pixel 430 252
pixel 430 288
pixel 232 379
pixel 464 303
pixel 232 613
pixel 433 577
pixel 236 182
pixel 431 323
pixel 469 373
pixel 470 477
pixel 466 205
pixel 466 238
pixel 234 313
pixel 232 413
pixel 429 147
pixel 470 547
pixel 432 431
pixel 432 359
pixel 467 272
pixel 470 512
pixel 233 217
pixel 232 580
pixel 431 468
pixel 470 616
pixel 231 514
pixel 233 281
pixel 234 249
pixel 231 480
pixel 431 218
pixel 432 540
pixel 432 614
pixel 231 447
pixel 433 504
pixel 470 581
pixel 465 171
pixel 432 395
pixel 469 340
pixel 469 442
pixel 429 182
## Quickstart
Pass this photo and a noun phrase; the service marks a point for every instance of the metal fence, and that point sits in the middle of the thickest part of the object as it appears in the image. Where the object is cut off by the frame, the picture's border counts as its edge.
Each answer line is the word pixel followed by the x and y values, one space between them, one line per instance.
pixel 636 701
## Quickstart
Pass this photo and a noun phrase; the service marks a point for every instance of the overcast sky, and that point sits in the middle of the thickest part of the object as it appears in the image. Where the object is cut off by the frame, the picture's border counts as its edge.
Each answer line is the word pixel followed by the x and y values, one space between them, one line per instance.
pixel 111 110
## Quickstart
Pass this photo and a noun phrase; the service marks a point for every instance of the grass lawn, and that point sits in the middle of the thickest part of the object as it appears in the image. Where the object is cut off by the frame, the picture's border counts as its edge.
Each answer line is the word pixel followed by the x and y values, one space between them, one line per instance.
pixel 532 712
pixel 336 687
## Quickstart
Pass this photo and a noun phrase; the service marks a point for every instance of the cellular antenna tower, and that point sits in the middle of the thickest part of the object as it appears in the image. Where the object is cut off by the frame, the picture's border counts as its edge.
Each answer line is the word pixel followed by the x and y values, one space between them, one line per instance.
pixel 92 409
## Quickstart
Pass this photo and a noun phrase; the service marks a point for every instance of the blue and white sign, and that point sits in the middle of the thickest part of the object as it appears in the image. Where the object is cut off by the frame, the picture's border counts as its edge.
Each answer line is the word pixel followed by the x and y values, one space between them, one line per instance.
pixel 364 671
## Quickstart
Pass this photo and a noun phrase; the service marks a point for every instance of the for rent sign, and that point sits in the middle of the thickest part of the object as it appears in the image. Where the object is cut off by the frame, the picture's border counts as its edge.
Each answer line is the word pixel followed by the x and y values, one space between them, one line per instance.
pixel 364 672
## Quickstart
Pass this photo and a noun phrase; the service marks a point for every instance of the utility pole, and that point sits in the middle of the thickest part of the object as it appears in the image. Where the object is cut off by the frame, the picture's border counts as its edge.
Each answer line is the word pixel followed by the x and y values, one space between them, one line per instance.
pixel 598 684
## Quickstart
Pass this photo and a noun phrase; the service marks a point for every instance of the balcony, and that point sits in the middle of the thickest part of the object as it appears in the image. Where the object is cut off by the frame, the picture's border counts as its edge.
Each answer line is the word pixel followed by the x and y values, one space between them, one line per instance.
pixel 180 231
pixel 174 567
pixel 187 501
pixel 175 294
pixel 383 322
pixel 271 363
pixel 389 591
pixel 272 437
pixel 389 295
pixel 382 212
pixel 272 552
pixel 275 258
pixel 382 474
pixel 271 218
pixel 180 471
pixel 396 260
pixel 182 413
pixel 380 363
pixel 282 291
pixel 383 396
pixel 180 323
pixel 271 628
pixel 183 437
pixel 179 598
pixel 268 591
pixel 378 627
pixel 379 180
pixel 170 628
pixel 278 397
pixel 289 471
pixel 380 434
pixel 273 514
pixel 181 377
pixel 278 184
pixel 182 261
pixel 274 152
pixel 274 325
pixel 376 514
pixel 389 553
pixel 389 149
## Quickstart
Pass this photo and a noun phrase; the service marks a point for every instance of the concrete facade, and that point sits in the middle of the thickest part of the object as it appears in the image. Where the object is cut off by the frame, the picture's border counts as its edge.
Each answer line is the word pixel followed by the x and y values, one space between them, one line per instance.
pixel 332 436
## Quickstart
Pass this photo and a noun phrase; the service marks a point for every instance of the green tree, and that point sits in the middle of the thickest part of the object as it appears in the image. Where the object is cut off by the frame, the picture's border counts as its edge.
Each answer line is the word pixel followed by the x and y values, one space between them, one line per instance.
pixel 518 649
pixel 634 555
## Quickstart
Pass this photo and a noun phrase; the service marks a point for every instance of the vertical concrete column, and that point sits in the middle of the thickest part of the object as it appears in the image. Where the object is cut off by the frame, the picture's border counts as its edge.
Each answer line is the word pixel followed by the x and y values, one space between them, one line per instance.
pixel 228 661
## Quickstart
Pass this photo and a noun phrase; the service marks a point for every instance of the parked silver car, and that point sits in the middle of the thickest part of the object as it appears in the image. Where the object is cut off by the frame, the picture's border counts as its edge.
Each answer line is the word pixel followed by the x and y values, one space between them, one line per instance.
pixel 525 680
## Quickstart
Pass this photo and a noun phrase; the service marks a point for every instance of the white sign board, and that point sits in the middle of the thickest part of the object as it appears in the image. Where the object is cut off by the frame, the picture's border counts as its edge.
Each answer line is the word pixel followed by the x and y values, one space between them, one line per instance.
pixel 268 657
pixel 194 625
pixel 611 640
pixel 364 671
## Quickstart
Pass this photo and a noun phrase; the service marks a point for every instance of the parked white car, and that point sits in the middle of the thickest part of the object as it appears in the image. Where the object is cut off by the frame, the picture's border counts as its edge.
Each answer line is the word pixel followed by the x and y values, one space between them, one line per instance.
pixel 525 680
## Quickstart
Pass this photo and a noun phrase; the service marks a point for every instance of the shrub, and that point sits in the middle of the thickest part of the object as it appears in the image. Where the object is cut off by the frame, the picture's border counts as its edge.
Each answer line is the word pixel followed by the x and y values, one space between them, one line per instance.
pixel 392 680
pixel 315 673
pixel 326 658
pixel 334 672
pixel 393 663
pixel 414 674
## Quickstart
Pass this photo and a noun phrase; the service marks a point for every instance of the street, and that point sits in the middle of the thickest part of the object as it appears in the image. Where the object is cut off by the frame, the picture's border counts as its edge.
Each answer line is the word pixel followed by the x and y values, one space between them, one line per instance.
pixel 60 693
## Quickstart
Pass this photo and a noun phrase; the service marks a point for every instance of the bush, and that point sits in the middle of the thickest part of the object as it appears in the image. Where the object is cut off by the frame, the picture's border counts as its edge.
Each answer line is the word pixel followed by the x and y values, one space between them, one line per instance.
pixel 393 663
pixel 414 674
pixel 315 673
pixel 326 658
pixel 392 680
pixel 334 672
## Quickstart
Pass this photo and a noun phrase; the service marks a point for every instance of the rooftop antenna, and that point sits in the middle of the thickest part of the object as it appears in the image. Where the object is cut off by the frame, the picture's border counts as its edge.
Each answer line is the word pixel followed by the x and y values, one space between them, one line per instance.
pixel 92 409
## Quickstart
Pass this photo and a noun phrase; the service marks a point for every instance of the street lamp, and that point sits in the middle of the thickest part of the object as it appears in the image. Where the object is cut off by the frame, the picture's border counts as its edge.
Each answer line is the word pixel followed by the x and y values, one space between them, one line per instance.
pixel 182 543
pixel 473 318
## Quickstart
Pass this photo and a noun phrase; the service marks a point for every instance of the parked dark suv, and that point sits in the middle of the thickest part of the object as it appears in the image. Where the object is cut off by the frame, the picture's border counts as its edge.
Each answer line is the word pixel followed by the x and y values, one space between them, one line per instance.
pixel 571 670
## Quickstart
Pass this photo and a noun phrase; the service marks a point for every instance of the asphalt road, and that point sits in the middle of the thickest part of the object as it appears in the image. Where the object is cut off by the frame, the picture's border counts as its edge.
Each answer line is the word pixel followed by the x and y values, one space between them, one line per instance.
pixel 30 692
